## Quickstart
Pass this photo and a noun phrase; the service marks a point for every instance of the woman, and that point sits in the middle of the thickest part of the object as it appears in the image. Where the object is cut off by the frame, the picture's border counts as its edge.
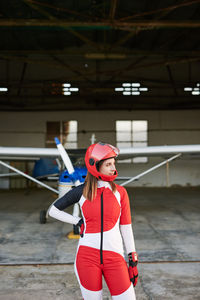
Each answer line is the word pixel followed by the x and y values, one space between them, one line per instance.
pixel 106 221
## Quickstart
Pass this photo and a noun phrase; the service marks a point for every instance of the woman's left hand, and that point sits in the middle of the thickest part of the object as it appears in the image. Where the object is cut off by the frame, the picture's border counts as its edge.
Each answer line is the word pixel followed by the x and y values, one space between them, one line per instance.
pixel 133 271
pixel 81 225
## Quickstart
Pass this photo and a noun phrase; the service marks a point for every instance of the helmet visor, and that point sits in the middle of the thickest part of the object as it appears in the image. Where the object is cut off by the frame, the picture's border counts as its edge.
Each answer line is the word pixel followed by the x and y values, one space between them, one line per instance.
pixel 102 151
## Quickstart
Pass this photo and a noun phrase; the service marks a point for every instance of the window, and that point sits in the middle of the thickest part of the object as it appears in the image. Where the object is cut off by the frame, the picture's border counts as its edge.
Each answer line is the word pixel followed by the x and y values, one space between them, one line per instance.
pixel 132 134
pixel 65 131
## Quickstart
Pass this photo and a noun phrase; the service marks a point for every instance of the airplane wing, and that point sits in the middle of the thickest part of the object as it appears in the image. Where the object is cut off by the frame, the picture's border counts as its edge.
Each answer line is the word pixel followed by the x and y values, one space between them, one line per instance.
pixel 160 151
pixel 12 153
pixel 29 153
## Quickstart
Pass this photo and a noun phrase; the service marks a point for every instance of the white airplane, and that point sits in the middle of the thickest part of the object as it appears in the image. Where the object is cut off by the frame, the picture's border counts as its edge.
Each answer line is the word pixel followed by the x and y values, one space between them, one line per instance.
pixel 30 153
pixel 74 177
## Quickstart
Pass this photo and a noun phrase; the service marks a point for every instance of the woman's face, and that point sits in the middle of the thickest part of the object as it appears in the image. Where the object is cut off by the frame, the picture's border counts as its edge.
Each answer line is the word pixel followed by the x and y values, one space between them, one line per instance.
pixel 108 167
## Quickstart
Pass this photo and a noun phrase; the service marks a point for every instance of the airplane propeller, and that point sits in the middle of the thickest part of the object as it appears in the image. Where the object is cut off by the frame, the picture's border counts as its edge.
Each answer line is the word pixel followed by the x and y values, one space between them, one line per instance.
pixel 72 174
pixel 67 161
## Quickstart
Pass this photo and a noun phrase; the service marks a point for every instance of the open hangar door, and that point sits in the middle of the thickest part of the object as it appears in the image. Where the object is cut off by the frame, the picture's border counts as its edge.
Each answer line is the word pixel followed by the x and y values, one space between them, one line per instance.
pixel 76 69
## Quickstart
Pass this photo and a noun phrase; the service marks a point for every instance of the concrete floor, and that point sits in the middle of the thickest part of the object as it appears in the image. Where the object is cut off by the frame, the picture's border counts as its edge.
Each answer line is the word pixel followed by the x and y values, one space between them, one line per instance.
pixel 36 261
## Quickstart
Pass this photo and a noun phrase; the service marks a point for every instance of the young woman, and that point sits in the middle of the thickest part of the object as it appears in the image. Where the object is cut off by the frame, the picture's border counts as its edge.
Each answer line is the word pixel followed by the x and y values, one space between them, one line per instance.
pixel 106 221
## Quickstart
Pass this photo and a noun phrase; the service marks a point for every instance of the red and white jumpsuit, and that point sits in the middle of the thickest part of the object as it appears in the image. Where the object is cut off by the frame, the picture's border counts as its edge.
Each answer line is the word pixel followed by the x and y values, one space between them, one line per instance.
pixel 107 220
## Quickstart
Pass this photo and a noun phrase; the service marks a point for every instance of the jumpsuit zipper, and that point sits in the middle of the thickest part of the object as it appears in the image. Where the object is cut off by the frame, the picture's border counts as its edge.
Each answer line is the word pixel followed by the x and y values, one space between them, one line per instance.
pixel 101 240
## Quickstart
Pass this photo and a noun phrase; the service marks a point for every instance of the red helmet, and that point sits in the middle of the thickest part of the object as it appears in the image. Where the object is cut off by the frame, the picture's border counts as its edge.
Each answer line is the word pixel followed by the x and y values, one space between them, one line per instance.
pixel 97 152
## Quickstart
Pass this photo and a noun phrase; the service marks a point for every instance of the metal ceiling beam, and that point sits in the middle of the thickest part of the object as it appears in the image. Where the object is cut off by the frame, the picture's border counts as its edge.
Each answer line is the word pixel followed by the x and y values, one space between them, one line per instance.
pixel 97 103
pixel 40 10
pixel 83 38
pixel 39 83
pixel 113 6
pixel 21 79
pixel 172 80
pixel 115 97
pixel 107 88
pixel 100 87
pixel 130 35
pixel 124 39
pixel 124 54
pixel 60 9
pixel 132 67
pixel 161 10
pixel 168 62
pixel 50 64
pixel 145 24
pixel 72 69
pixel 107 72
pixel 161 14
pixel 51 17
pixel 148 65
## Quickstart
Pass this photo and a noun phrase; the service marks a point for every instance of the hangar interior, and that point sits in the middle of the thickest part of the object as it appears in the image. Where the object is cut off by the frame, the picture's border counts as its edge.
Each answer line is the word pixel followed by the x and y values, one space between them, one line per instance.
pixel 122 72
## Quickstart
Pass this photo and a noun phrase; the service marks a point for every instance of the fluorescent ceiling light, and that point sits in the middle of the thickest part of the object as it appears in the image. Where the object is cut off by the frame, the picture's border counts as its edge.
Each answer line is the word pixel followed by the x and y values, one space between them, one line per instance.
pixel 126 84
pixel 196 93
pixel 131 88
pixel 67 89
pixel 74 89
pixel 188 89
pixel 119 89
pixel 66 84
pixel 3 89
pixel 126 93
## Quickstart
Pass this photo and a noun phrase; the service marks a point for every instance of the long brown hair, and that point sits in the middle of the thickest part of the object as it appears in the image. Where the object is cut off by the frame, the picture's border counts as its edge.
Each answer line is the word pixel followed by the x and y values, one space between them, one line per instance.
pixel 90 187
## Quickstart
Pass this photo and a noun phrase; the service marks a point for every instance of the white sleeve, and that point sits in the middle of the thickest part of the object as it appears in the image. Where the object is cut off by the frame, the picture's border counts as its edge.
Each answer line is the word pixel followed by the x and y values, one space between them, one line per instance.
pixel 63 216
pixel 128 238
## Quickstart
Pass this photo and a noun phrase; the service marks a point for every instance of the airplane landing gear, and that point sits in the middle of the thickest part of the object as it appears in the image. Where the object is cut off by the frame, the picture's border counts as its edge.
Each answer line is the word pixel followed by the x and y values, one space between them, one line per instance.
pixel 43 218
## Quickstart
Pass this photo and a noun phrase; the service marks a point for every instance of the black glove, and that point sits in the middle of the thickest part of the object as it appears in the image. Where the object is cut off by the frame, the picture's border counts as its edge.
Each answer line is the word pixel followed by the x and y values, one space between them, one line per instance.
pixel 81 225
pixel 133 271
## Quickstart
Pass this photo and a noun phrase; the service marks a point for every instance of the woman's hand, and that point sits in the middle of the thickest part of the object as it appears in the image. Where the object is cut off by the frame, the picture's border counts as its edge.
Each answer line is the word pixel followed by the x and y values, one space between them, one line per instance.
pixel 81 225
pixel 133 271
